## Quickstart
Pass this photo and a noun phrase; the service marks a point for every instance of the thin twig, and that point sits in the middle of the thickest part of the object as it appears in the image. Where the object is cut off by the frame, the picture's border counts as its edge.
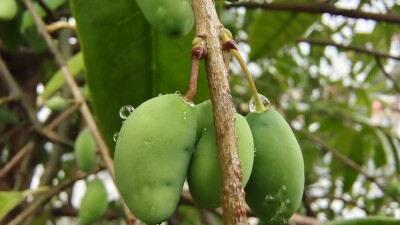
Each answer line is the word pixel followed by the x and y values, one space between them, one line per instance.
pixel 15 90
pixel 38 202
pixel 387 75
pixel 16 159
pixel 344 159
pixel 349 47
pixel 85 111
pixel 211 30
pixel 318 8
pixel 12 131
pixel 54 123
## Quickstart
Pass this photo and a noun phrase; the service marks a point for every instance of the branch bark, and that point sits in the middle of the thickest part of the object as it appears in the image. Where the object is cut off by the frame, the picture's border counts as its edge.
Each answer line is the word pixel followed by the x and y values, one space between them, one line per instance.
pixel 318 8
pixel 210 29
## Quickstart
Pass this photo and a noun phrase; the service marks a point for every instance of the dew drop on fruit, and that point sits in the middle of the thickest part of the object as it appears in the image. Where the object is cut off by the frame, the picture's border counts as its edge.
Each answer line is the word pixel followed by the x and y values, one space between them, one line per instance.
pixel 125 111
pixel 177 92
pixel 184 113
pixel 159 95
pixel 115 137
pixel 264 100
pixel 269 199
pixel 184 118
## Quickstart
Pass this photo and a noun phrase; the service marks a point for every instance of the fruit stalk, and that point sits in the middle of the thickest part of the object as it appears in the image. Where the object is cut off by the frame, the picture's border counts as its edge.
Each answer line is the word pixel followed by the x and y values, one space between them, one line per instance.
pixel 210 29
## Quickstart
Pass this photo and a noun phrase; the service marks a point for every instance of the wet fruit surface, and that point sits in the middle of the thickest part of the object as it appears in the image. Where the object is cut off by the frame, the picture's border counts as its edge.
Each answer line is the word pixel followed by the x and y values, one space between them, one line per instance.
pixel 152 156
pixel 276 184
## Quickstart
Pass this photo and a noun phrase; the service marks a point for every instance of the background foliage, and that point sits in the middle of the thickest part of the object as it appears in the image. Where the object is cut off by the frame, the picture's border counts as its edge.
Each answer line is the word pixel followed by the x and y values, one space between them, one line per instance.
pixel 333 77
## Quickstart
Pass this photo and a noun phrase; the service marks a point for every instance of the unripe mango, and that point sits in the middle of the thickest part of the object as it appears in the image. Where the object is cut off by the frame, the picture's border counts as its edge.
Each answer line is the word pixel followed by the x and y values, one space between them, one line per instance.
pixel 204 175
pixel 276 184
pixel 94 202
pixel 85 150
pixel 172 17
pixel 152 156
pixel 8 9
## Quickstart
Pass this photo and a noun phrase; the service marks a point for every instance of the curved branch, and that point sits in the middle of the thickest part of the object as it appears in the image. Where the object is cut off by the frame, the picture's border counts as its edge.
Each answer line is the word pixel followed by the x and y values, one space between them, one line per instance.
pixel 318 8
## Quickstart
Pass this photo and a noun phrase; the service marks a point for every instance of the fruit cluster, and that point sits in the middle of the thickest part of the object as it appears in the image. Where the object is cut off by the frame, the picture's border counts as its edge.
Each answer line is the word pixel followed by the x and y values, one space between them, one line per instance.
pixel 166 140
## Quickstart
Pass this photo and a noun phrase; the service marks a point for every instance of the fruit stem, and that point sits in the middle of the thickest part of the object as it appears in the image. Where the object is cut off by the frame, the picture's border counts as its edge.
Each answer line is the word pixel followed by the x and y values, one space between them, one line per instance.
pixel 193 80
pixel 258 103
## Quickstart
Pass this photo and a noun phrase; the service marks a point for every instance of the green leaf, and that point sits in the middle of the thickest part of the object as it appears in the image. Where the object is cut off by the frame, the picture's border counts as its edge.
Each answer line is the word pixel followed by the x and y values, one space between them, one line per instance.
pixel 7 116
pixel 75 65
pixel 127 62
pixel 27 19
pixel 10 199
pixel 270 31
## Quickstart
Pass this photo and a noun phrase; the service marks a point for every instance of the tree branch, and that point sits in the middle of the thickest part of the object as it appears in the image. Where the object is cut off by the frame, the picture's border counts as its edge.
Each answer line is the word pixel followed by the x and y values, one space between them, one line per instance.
pixel 210 30
pixel 349 47
pixel 387 75
pixel 85 111
pixel 318 8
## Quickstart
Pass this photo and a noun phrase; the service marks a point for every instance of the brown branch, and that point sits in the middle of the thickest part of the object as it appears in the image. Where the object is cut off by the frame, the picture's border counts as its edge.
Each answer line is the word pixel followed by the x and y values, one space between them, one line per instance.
pixel 344 159
pixel 210 30
pixel 64 115
pixel 349 47
pixel 16 159
pixel 15 90
pixel 387 75
pixel 318 8
pixel 85 111
pixel 40 200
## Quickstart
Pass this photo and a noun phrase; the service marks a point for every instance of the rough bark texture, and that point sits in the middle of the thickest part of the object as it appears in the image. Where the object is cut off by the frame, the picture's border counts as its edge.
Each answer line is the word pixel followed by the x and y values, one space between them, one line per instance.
pixel 210 29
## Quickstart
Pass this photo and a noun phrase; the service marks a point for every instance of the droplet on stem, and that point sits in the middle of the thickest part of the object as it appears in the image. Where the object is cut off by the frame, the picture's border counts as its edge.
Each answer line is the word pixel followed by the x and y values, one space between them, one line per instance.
pixel 264 100
pixel 125 111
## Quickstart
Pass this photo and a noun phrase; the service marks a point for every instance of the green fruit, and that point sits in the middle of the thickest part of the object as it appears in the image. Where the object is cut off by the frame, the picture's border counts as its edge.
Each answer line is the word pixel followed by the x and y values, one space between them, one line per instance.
pixel 369 220
pixel 276 184
pixel 152 156
pixel 56 103
pixel 173 17
pixel 8 9
pixel 204 175
pixel 85 150
pixel 94 202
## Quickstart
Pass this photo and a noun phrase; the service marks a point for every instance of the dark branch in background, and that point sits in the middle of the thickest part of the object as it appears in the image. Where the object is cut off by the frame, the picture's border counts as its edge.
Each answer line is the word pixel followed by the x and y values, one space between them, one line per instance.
pixel 318 8
pixel 387 75
pixel 344 159
pixel 349 47
pixel 84 108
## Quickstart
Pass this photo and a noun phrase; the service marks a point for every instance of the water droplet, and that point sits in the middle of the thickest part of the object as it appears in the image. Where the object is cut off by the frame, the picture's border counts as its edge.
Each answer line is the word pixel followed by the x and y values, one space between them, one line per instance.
pixel 125 111
pixel 115 137
pixel 184 113
pixel 149 139
pixel 177 92
pixel 264 100
pixel 159 95
pixel 284 187
pixel 269 199
pixel 204 129
pixel 184 118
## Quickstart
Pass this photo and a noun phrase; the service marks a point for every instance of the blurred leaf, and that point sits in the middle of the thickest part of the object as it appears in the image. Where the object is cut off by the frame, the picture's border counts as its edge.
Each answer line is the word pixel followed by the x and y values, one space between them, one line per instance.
pixel 75 65
pixel 270 31
pixel 10 199
pixel 27 19
pixel 7 116
pixel 127 62
pixel 369 220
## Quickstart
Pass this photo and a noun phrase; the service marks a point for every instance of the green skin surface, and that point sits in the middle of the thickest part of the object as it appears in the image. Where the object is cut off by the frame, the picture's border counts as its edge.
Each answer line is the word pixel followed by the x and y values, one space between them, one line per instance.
pixel 204 175
pixel 276 184
pixel 370 220
pixel 8 9
pixel 94 202
pixel 173 17
pixel 85 150
pixel 152 156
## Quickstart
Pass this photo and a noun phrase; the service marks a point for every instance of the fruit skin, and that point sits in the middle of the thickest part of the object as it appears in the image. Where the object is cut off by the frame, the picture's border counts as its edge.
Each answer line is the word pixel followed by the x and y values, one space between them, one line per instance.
pixel 8 9
pixel 152 156
pixel 57 103
pixel 85 150
pixel 173 17
pixel 204 175
pixel 276 184
pixel 94 202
